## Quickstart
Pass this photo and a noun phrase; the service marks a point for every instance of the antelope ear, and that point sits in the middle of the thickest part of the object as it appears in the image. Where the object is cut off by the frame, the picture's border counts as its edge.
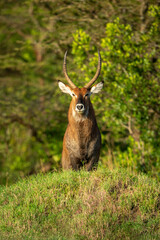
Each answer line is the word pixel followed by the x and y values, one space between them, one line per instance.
pixel 97 88
pixel 64 88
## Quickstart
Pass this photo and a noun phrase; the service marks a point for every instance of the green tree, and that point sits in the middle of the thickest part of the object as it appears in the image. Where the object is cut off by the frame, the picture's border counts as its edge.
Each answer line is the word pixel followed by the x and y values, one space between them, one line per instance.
pixel 130 105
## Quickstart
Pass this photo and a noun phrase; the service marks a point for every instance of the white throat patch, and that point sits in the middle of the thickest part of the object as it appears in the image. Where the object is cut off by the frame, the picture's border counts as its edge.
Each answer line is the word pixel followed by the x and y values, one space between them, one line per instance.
pixel 78 116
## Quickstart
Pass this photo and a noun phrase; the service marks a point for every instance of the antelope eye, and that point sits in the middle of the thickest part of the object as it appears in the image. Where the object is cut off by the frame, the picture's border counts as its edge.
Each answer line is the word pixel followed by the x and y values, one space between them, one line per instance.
pixel 86 94
pixel 73 95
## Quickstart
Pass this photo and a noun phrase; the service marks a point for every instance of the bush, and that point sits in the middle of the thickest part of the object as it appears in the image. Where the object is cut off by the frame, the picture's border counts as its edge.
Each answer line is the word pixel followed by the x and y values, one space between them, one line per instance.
pixel 129 107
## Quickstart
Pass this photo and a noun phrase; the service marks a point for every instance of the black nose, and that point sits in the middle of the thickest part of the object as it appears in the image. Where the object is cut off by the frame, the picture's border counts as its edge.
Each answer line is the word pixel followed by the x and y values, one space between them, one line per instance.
pixel 80 106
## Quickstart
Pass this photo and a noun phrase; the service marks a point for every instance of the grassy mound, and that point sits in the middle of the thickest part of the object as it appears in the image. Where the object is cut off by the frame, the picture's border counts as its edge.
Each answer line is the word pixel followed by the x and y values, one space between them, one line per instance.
pixel 80 205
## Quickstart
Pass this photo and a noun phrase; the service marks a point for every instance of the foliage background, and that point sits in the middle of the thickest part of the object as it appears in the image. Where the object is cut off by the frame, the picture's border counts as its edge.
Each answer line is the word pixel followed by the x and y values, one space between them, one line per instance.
pixel 33 111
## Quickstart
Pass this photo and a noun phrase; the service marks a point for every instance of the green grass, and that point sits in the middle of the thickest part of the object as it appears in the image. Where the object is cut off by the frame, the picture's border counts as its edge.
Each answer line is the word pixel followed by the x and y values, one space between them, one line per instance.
pixel 81 205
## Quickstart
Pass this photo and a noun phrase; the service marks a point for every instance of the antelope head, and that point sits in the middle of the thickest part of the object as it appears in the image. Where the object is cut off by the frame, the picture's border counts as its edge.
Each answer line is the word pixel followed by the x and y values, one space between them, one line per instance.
pixel 81 96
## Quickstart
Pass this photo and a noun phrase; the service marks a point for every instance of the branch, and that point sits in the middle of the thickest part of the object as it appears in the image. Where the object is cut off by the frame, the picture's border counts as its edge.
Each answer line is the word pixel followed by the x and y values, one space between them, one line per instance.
pixel 128 127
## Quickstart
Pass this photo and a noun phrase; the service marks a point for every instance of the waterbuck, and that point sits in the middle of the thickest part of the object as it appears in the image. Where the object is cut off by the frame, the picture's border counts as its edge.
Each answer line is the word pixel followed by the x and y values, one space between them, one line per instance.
pixel 82 139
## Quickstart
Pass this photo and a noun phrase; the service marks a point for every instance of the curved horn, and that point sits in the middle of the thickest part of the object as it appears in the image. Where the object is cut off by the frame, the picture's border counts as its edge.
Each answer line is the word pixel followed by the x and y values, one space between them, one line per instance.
pixel 97 73
pixel 65 71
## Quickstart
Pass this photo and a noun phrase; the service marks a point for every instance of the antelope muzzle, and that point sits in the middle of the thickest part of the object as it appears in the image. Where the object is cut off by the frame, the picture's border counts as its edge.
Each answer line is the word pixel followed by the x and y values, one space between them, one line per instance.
pixel 80 108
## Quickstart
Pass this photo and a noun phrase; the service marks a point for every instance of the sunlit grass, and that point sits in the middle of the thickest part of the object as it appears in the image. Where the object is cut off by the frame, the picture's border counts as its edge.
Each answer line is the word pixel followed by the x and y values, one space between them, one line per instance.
pixel 81 205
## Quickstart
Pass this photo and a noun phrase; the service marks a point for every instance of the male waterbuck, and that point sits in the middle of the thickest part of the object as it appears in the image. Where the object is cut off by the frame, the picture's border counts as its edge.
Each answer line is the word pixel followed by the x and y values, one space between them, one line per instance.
pixel 82 139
